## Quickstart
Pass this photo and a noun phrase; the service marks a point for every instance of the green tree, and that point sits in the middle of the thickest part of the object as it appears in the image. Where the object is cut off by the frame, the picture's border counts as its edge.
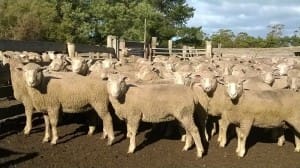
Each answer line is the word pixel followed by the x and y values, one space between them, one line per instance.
pixel 25 19
pixel 192 36
pixel 223 36
pixel 243 40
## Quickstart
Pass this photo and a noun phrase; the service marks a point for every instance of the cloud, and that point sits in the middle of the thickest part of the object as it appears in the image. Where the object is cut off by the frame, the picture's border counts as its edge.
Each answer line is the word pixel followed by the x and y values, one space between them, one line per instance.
pixel 252 16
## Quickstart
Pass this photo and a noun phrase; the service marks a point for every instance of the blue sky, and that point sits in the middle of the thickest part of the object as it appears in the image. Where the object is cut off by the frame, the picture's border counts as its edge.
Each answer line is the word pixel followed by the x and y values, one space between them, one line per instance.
pixel 251 16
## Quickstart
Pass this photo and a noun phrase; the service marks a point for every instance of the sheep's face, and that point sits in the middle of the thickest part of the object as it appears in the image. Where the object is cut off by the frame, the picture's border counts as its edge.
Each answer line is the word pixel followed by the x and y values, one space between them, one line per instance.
pixel 267 77
pixel 57 64
pixel 294 83
pixel 234 87
pixel 208 84
pixel 227 70
pixel 107 63
pixel 208 81
pixel 116 85
pixel 77 65
pixel 181 78
pixel 33 76
pixel 5 59
pixel 283 69
pixel 170 67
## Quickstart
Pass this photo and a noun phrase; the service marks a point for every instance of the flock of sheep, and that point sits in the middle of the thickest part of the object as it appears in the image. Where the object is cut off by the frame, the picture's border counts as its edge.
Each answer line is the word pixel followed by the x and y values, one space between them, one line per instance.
pixel 244 91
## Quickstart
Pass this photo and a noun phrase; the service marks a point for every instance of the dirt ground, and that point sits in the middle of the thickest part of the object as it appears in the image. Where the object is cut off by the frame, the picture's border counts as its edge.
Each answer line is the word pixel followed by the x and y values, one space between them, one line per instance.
pixel 76 149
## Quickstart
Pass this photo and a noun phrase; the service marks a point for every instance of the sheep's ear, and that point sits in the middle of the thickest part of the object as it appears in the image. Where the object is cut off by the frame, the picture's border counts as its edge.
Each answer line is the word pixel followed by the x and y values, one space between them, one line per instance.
pixel 19 68
pixel 221 80
pixel 69 59
pixel 242 80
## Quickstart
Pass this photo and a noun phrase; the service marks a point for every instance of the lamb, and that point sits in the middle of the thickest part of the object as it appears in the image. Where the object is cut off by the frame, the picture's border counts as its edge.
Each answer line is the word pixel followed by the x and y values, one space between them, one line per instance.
pixel 80 65
pixel 19 89
pixel 141 103
pixel 264 109
pixel 50 94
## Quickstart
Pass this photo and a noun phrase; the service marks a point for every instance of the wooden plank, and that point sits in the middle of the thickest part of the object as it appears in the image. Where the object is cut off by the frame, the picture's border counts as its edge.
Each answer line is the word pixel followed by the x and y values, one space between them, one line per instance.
pixel 33 46
pixel 6 91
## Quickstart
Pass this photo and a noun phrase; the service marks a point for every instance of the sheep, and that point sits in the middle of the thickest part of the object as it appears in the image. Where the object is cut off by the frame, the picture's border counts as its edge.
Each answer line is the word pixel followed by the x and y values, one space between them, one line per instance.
pixel 19 89
pixel 58 64
pixel 213 102
pixel 264 109
pixel 135 103
pixel 50 94
pixel 80 65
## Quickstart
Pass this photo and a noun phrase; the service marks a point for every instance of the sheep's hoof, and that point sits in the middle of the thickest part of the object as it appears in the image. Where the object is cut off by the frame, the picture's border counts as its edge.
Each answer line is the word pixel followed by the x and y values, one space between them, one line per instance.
pixel 185 148
pixel 26 133
pixel 104 136
pixel 130 151
pixel 297 149
pixel 46 139
pixel 241 154
pixel 222 144
pixel 279 143
pixel 183 138
pixel 199 154
pixel 110 141
pixel 54 141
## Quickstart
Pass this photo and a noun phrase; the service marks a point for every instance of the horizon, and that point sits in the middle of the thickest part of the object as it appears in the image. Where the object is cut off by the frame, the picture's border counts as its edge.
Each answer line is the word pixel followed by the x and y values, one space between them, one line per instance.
pixel 252 17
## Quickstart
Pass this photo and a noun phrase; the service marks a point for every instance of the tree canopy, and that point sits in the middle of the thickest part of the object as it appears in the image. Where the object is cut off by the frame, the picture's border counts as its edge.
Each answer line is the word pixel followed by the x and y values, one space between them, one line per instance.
pixel 91 21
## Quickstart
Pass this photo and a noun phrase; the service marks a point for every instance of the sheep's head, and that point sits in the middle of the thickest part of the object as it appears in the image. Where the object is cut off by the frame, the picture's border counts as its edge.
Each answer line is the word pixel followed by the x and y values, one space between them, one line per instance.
pixel 78 64
pixel 182 78
pixel 233 85
pixel 294 83
pixel 268 77
pixel 116 85
pixel 58 64
pixel 283 68
pixel 32 73
pixel 208 80
pixel 5 59
pixel 294 79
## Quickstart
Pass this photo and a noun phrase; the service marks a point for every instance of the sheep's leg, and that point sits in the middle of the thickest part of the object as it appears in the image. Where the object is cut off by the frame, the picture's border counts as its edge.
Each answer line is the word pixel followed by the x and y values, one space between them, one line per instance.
pixel 108 129
pixel 237 129
pixel 132 127
pixel 281 138
pixel 92 119
pixel 53 116
pixel 296 124
pixel 214 129
pixel 244 131
pixel 223 124
pixel 297 143
pixel 188 141
pixel 189 125
pixel 28 114
pixel 47 129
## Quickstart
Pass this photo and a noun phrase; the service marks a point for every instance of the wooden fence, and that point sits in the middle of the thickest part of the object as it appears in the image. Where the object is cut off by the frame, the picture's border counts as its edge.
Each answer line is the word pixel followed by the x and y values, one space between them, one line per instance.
pixel 185 53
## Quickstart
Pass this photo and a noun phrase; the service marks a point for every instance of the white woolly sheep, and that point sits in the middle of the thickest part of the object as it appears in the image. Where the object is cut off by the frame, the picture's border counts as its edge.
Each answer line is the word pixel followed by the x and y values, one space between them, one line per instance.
pixel 154 103
pixel 19 89
pixel 50 94
pixel 265 109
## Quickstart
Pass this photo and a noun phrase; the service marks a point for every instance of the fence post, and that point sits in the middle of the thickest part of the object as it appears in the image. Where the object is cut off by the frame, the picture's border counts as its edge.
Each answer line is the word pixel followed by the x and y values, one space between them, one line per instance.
pixel 153 47
pixel 122 46
pixel 71 49
pixel 109 43
pixel 184 49
pixel 219 49
pixel 208 49
pixel 170 46
pixel 115 45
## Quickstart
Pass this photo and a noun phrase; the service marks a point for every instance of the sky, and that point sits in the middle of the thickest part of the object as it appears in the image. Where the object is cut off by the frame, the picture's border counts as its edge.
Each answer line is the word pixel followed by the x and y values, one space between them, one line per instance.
pixel 250 16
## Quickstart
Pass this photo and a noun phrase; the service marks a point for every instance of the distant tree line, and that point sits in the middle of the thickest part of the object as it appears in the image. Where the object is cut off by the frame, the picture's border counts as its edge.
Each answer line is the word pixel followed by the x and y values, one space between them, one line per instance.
pixel 90 21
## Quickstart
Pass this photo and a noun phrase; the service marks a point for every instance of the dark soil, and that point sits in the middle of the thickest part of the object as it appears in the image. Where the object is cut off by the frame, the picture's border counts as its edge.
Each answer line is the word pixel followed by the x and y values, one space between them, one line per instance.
pixel 76 149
